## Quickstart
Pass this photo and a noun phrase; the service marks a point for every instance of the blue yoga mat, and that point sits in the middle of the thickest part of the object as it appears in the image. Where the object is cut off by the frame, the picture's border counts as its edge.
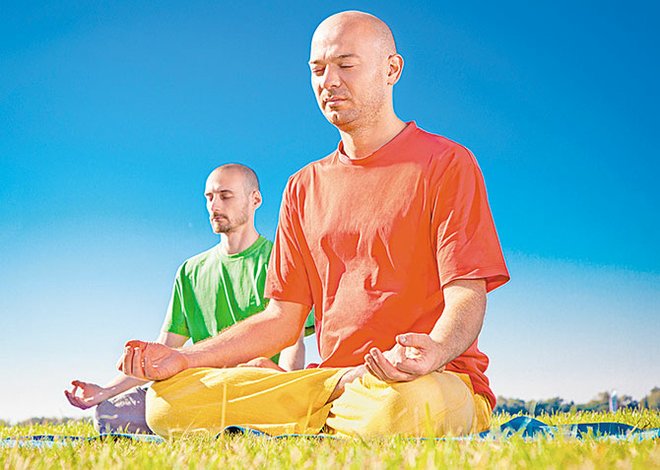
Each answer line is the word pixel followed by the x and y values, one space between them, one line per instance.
pixel 522 425
pixel 530 428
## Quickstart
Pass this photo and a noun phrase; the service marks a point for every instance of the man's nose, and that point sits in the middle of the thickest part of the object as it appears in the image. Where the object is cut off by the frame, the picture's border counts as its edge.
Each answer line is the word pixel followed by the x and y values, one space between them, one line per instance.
pixel 215 203
pixel 330 77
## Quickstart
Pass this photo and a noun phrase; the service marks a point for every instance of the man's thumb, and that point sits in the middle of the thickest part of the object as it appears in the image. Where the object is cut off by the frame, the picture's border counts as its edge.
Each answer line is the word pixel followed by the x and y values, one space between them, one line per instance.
pixel 413 340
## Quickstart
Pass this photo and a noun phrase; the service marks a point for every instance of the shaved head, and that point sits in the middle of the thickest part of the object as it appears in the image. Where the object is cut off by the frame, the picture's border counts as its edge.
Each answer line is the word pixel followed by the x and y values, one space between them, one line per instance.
pixel 354 65
pixel 250 180
pixel 232 195
pixel 369 27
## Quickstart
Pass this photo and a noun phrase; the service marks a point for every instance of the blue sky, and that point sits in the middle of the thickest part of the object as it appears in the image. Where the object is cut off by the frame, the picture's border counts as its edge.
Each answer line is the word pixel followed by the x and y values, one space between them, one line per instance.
pixel 112 115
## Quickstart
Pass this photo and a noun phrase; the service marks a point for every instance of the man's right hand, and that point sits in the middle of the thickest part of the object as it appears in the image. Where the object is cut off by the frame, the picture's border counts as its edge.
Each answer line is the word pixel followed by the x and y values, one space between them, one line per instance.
pixel 90 394
pixel 151 361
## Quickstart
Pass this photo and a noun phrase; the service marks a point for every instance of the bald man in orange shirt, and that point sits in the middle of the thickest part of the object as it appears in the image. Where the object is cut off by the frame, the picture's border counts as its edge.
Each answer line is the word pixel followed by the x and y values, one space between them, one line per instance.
pixel 391 239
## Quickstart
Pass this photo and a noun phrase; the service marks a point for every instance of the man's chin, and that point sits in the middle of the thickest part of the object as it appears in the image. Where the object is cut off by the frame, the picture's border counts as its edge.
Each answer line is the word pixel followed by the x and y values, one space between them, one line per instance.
pixel 339 119
pixel 219 229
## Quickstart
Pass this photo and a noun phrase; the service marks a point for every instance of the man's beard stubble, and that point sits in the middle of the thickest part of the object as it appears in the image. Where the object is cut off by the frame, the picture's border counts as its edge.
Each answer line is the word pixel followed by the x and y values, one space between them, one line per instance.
pixel 231 224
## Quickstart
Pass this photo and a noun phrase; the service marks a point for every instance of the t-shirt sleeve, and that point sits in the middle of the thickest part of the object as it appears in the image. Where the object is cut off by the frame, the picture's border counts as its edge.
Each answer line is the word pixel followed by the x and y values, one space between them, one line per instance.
pixel 287 276
pixel 175 320
pixel 467 242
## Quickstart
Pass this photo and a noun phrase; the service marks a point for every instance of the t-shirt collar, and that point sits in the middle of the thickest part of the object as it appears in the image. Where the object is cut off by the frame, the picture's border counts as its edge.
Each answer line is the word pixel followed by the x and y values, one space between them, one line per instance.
pixel 393 146
pixel 246 252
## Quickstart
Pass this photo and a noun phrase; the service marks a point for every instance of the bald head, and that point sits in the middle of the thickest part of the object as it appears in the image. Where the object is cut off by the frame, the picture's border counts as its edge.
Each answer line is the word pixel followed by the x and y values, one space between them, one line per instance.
pixel 232 196
pixel 354 67
pixel 370 29
pixel 247 174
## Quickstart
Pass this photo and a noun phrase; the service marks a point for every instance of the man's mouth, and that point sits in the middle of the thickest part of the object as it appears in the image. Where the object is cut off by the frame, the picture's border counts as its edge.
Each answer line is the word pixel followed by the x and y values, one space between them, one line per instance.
pixel 333 100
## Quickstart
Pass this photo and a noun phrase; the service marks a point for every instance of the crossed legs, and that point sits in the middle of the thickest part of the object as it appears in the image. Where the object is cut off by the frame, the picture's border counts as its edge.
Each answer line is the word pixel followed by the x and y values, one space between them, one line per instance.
pixel 207 400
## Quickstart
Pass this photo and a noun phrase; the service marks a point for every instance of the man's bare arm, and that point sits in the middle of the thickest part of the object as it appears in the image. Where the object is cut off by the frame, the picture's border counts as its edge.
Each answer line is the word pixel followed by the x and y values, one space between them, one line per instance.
pixel 263 334
pixel 84 395
pixel 293 357
pixel 462 318
pixel 417 354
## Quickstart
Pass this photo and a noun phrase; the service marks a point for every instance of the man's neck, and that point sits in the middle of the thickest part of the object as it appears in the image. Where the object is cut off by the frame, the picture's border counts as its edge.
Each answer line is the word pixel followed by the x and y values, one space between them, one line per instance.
pixel 238 241
pixel 363 141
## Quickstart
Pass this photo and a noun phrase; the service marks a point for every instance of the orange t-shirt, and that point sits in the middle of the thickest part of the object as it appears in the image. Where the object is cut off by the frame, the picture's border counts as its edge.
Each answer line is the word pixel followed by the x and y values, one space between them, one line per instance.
pixel 371 242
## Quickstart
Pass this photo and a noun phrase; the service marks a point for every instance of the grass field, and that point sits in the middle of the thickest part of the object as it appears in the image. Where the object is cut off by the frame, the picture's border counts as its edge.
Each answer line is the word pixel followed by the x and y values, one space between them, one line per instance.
pixel 255 452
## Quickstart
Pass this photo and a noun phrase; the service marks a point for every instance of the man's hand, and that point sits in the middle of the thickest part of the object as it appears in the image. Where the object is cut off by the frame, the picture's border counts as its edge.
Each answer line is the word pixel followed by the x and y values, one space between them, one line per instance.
pixel 90 394
pixel 413 355
pixel 151 361
pixel 262 362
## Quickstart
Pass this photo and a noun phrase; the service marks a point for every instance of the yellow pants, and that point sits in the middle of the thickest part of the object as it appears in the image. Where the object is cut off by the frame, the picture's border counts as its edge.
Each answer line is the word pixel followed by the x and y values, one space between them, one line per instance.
pixel 207 400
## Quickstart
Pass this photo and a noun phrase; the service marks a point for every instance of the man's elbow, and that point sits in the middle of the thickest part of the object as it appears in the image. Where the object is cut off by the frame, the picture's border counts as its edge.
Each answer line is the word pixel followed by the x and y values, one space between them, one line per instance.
pixel 290 320
pixel 293 338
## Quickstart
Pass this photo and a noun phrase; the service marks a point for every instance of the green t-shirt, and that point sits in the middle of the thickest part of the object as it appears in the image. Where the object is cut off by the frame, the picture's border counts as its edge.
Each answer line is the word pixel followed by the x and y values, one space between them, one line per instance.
pixel 214 290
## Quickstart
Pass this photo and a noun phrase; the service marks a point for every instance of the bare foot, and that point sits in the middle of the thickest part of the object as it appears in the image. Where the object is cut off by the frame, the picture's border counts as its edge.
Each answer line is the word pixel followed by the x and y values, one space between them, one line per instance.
pixel 351 375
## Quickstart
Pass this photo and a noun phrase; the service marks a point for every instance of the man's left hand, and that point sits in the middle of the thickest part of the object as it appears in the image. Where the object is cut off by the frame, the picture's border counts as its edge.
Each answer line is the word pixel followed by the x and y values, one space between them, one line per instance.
pixel 413 355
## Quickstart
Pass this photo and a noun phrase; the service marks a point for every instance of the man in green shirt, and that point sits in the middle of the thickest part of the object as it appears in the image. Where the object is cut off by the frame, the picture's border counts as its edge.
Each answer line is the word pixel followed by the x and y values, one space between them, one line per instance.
pixel 212 291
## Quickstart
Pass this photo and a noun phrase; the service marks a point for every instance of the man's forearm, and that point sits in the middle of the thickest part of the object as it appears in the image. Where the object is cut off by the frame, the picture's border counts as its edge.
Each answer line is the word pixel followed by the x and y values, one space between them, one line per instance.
pixel 293 357
pixel 121 383
pixel 462 318
pixel 264 334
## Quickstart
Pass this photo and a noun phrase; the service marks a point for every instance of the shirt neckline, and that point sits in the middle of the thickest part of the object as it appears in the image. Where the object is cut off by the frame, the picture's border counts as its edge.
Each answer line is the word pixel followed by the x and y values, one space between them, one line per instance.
pixel 243 254
pixel 387 149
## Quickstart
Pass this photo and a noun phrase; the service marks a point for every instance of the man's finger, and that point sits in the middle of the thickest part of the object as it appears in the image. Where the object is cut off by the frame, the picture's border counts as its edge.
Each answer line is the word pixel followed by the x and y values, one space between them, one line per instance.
pixel 393 371
pixel 393 374
pixel 370 370
pixel 380 365
pixel 378 362
pixel 81 404
pixel 135 343
pixel 139 370
pixel 137 362
pixel 414 340
pixel 69 397
pixel 127 358
pixel 375 370
pixel 83 386
pixel 151 371
pixel 75 401
pixel 127 366
pixel 411 366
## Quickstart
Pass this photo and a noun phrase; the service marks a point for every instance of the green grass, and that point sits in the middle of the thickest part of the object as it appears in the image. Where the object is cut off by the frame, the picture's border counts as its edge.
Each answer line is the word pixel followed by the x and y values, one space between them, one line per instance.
pixel 254 452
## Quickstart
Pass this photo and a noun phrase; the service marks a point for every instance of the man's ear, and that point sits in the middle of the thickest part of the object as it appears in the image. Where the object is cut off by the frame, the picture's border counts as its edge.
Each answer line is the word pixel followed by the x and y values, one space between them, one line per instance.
pixel 256 198
pixel 395 63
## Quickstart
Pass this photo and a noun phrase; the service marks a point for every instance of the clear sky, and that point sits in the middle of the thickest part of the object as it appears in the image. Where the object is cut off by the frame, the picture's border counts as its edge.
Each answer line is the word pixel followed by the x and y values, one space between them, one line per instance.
pixel 113 113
